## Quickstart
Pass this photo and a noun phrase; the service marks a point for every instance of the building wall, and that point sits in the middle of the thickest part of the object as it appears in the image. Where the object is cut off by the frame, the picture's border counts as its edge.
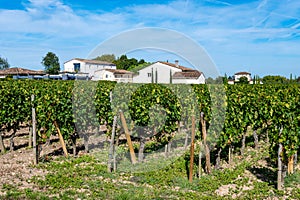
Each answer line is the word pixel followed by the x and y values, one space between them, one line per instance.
pixel 163 73
pixel 237 77
pixel 109 76
pixel 103 75
pixel 89 68
pixel 123 78
pixel 69 66
pixel 200 80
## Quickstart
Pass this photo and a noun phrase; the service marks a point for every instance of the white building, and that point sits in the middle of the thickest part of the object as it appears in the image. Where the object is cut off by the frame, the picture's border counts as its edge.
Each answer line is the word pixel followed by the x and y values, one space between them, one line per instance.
pixel 118 75
pixel 163 72
pixel 238 75
pixel 190 77
pixel 87 66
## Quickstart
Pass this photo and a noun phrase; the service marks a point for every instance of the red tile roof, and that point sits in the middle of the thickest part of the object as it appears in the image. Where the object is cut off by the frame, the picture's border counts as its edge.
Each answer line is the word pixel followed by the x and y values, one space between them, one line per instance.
pixel 242 73
pixel 20 71
pixel 118 71
pixel 192 74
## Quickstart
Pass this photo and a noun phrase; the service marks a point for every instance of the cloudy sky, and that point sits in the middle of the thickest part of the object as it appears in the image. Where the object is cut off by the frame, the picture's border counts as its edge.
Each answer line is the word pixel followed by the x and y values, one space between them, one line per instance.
pixel 261 36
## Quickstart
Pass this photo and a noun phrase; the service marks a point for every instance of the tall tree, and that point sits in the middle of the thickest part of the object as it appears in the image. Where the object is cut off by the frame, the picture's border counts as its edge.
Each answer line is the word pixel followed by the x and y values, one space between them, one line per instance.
pixel 51 63
pixel 106 57
pixel 3 63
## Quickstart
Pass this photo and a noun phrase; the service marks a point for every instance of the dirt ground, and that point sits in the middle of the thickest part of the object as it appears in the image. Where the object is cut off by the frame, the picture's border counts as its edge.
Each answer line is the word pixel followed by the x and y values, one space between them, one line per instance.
pixel 16 167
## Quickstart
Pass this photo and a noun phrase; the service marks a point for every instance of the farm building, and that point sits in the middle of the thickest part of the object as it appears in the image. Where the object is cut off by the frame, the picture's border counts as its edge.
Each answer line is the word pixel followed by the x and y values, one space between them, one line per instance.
pixel 118 75
pixel 87 66
pixel 238 75
pixel 165 72
pixel 18 73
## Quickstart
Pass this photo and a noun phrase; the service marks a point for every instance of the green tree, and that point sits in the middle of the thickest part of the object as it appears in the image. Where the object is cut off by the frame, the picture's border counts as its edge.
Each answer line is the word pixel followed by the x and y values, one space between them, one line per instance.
pixel 51 63
pixel 106 57
pixel 3 63
pixel 210 80
pixel 221 79
pixel 141 61
pixel 274 79
pixel 128 63
pixel 243 80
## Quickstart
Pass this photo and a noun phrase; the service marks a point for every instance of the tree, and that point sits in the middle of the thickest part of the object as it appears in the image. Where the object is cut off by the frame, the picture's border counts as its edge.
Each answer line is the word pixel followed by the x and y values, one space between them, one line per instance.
pixel 217 80
pixel 51 63
pixel 274 79
pixel 128 63
pixel 210 80
pixel 106 57
pixel 243 80
pixel 3 63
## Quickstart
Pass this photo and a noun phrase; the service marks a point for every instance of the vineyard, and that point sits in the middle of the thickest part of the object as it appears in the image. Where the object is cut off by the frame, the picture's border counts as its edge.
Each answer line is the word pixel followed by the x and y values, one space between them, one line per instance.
pixel 226 121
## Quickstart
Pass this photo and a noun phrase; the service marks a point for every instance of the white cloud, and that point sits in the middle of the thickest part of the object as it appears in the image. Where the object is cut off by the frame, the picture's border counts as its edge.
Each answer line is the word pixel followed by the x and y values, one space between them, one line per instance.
pixel 238 29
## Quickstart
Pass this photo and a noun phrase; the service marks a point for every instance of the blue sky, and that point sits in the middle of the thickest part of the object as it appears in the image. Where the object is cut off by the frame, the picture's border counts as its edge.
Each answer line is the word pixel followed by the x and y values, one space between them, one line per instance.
pixel 262 37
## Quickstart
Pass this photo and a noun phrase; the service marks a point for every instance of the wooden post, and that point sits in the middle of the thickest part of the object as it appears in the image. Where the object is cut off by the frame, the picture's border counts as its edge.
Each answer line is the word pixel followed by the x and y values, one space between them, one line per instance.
pixel 200 163
pixel 207 152
pixel 111 147
pixel 170 146
pixel 30 137
pixel 127 135
pixel 166 150
pixel 2 147
pixel 279 165
pixel 229 154
pixel 192 150
pixel 11 139
pixel 35 147
pixel 279 174
pixel 62 142
pixel 291 165
pixel 255 139
pixel 110 97
pixel 115 155
pixel 243 144
pixel 295 160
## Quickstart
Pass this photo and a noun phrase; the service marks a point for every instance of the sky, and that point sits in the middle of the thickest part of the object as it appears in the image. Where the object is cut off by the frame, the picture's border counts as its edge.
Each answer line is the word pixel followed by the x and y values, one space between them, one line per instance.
pixel 258 36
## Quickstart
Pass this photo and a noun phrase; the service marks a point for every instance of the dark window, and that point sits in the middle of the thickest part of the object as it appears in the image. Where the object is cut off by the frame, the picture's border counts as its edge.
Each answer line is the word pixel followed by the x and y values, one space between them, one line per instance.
pixel 77 67
pixel 149 74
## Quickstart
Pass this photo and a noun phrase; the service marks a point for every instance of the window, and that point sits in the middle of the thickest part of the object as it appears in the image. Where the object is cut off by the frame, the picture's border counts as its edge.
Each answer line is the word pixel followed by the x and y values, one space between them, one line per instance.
pixel 149 74
pixel 76 67
pixel 106 76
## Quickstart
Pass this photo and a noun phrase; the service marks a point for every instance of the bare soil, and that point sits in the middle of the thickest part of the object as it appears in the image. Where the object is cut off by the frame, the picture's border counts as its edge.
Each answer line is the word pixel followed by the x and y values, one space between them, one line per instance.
pixel 16 167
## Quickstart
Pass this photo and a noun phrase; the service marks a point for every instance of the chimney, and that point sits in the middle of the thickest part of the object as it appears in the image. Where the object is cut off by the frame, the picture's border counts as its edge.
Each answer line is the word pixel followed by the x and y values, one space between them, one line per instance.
pixel 176 63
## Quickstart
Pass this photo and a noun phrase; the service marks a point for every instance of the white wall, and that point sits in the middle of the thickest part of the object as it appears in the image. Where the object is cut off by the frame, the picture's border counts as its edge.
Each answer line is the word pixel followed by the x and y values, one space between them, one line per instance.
pixel 91 68
pixel 69 66
pixel 86 67
pixel 237 77
pixel 110 76
pixel 103 75
pixel 163 73
pixel 200 80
